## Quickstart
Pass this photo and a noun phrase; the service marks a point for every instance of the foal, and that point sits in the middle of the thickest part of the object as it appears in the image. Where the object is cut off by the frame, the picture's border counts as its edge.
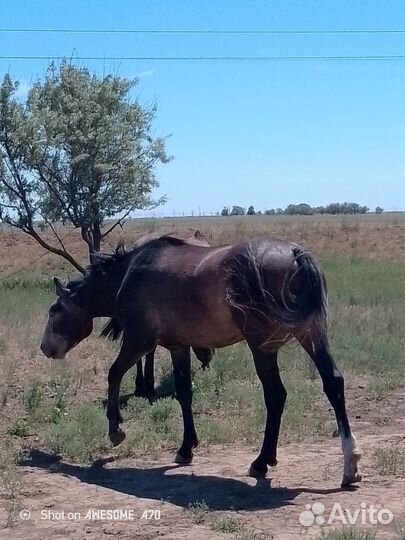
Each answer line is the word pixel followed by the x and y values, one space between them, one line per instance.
pixel 170 293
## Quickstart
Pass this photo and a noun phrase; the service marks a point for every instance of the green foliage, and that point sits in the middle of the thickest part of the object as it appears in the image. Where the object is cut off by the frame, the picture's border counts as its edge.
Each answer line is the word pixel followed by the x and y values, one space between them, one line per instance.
pixel 33 397
pixel 237 211
pixel 80 150
pixel 227 524
pixel 18 427
pixel 304 209
pixel 80 434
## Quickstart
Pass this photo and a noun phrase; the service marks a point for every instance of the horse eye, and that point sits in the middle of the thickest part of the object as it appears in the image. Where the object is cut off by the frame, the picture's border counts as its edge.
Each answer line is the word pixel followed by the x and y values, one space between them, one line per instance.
pixel 55 308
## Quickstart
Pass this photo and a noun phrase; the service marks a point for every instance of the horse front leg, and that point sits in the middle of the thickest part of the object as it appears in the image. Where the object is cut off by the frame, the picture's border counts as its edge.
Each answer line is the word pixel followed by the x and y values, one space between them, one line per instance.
pixel 182 377
pixel 145 377
pixel 128 355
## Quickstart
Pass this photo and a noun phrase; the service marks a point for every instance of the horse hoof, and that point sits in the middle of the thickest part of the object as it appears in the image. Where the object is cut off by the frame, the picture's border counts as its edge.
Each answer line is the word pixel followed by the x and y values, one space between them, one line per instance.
pixel 116 437
pixel 255 473
pixel 351 473
pixel 181 460
pixel 348 480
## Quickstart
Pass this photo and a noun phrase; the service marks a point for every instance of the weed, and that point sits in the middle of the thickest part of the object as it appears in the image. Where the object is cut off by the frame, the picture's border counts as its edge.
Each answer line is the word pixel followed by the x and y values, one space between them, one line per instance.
pixel 18 427
pixel 33 397
pixel 390 461
pixel 80 434
pixel 10 483
pixel 227 524
pixel 198 511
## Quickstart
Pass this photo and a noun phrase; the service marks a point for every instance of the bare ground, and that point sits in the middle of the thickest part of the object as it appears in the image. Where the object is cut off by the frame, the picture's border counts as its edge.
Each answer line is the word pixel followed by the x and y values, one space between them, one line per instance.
pixel 306 473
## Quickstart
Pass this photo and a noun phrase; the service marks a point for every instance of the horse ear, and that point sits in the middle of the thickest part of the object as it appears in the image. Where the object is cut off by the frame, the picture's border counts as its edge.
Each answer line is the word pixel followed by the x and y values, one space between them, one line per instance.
pixel 197 234
pixel 61 291
pixel 120 249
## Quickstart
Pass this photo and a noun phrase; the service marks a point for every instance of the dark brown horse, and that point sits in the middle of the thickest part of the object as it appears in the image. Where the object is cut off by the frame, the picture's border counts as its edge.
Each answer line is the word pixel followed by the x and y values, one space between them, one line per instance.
pixel 145 372
pixel 170 293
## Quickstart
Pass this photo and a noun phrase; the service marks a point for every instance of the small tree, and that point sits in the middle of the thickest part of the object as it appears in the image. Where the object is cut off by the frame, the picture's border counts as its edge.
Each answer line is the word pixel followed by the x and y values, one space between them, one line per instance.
pixel 225 211
pixel 80 151
pixel 237 211
pixel 251 211
pixel 379 210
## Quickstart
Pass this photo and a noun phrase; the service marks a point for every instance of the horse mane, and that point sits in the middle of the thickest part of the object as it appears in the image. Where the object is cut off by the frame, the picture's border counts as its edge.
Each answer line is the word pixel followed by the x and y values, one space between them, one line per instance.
pixel 103 263
pixel 112 330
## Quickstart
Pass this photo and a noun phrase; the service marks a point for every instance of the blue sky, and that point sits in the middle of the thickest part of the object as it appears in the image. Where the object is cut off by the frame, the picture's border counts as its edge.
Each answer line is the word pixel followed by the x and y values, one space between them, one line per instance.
pixel 266 134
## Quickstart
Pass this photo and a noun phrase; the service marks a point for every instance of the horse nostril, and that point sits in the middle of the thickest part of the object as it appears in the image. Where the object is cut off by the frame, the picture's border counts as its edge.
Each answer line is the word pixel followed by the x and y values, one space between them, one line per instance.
pixel 46 350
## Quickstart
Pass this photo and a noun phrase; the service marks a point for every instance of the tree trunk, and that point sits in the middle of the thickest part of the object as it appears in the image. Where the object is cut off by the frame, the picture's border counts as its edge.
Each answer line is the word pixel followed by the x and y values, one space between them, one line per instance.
pixel 97 236
pixel 92 236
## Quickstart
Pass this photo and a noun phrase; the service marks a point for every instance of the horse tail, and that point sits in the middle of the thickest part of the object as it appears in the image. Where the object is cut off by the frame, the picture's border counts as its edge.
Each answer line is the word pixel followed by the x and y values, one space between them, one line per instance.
pixel 256 308
pixel 112 330
pixel 312 300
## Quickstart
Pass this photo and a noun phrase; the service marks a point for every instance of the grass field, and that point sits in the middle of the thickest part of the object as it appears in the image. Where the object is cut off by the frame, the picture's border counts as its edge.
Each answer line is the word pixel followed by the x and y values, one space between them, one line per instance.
pixel 57 406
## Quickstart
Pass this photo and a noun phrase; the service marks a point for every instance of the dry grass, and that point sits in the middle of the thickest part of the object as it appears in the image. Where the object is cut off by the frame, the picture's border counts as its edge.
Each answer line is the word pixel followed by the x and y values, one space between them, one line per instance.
pixel 10 483
pixel 370 236
pixel 390 461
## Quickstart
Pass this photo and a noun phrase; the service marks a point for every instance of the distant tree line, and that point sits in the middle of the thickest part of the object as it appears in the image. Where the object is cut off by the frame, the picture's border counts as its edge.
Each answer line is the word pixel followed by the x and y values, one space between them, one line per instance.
pixel 302 209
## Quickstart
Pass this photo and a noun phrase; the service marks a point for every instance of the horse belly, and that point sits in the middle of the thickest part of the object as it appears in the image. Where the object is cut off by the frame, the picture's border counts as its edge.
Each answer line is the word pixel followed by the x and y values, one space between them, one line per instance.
pixel 205 322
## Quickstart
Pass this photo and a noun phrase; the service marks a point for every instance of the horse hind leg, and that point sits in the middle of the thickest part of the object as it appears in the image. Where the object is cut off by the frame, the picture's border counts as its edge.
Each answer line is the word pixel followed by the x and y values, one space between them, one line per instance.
pixel 139 380
pixel 182 378
pixel 274 396
pixel 333 385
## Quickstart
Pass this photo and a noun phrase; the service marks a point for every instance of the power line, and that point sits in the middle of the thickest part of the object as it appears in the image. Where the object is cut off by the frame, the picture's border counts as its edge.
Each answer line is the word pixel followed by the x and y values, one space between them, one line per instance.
pixel 22 268
pixel 32 262
pixel 198 32
pixel 209 58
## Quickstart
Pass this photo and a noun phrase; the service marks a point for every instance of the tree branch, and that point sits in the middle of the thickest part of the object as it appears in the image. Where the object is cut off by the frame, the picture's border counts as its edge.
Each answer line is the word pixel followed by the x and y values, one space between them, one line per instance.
pixel 53 229
pixel 118 222
pixel 62 253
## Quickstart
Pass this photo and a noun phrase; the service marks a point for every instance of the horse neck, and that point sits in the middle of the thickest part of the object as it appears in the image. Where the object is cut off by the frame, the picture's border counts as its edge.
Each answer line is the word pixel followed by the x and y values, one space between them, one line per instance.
pixel 104 288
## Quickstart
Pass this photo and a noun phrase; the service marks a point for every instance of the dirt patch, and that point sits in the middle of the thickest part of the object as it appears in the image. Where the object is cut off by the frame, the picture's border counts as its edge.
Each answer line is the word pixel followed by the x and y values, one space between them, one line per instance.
pixel 306 473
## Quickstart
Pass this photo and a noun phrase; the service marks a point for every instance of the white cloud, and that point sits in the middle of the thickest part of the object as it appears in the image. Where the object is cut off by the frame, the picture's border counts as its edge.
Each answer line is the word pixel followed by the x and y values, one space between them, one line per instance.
pixel 144 74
